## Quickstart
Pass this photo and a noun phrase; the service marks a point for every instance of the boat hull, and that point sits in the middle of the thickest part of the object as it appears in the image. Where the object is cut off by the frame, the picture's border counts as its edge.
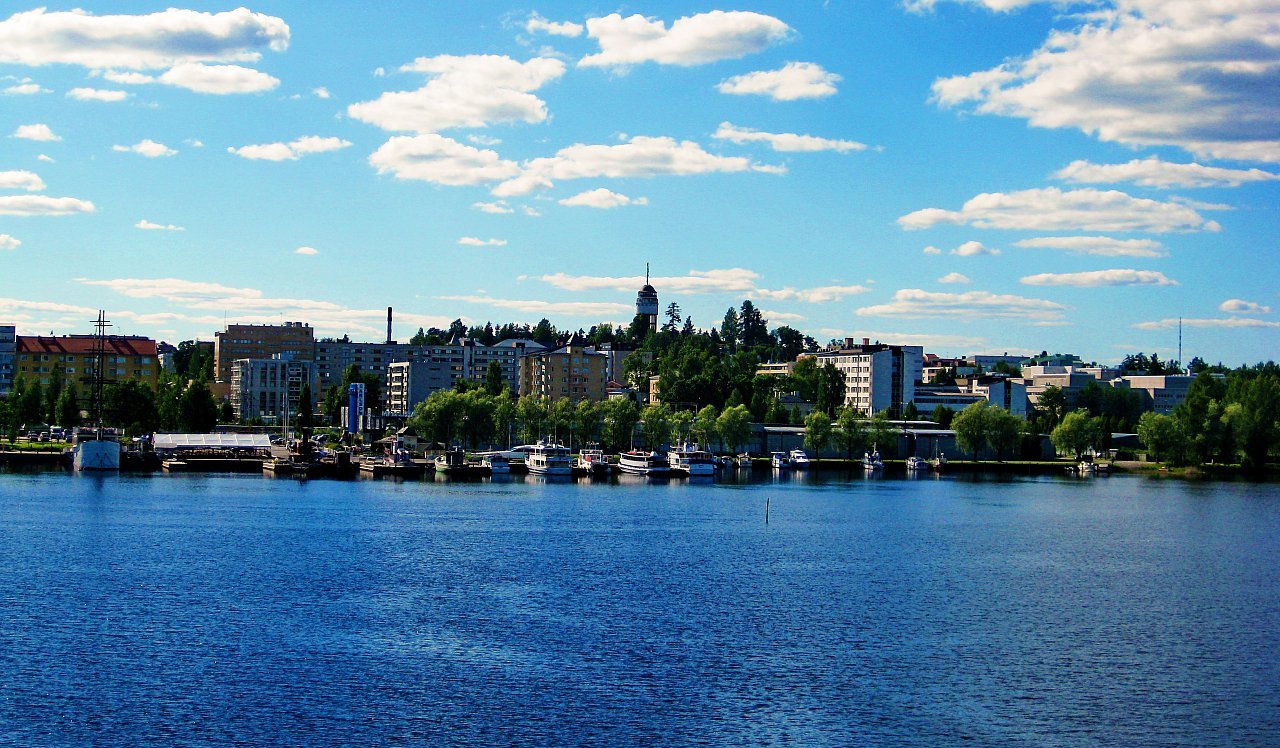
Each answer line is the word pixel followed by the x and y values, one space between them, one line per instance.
pixel 97 455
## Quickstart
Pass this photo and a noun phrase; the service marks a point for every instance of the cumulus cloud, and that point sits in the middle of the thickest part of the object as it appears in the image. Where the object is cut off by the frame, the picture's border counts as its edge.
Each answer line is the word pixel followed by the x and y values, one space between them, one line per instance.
pixel 1153 172
pixel 44 158
pixel 1096 278
pixel 21 180
pixel 146 225
pixel 974 249
pixel 539 25
pixel 148 148
pixel 435 158
pixel 547 308
pixel 1103 246
pixel 1004 6
pixel 1240 306
pixel 603 199
pixel 8 242
pixel 932 250
pixel 915 302
pixel 25 89
pixel 306 251
pixel 463 91
pixel 795 80
pixel 320 92
pixel 498 207
pixel 692 40
pixel 138 42
pixel 1198 75
pixel 954 278
pixel 641 156
pixel 785 142
pixel 96 94
pixel 472 241
pixel 726 280
pixel 818 295
pixel 128 77
pixel 291 151
pixel 40 205
pixel 218 79
pixel 1052 209
pixel 774 315
pixel 38 132
pixel 1235 323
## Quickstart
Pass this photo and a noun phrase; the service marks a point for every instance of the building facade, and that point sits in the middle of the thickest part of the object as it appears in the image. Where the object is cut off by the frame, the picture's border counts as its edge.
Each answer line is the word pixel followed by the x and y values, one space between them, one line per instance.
pixel 74 359
pixel 8 357
pixel 877 377
pixel 572 371
pixel 293 339
pixel 270 389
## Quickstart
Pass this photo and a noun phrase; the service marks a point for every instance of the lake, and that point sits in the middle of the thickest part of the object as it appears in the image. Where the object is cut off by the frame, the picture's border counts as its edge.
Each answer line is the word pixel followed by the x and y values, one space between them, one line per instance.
pixel 240 610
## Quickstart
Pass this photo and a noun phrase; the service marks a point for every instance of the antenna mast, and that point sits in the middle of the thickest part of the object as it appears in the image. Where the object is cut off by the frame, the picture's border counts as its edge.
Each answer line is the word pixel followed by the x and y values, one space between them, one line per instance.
pixel 646 273
pixel 1184 368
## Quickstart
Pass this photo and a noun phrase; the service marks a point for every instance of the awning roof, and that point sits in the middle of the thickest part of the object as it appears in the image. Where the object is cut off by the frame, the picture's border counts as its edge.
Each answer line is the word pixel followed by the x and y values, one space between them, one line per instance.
pixel 212 441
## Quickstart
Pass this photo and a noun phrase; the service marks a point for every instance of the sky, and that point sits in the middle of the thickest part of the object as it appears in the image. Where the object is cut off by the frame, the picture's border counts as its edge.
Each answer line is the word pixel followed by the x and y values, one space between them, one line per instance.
pixel 973 176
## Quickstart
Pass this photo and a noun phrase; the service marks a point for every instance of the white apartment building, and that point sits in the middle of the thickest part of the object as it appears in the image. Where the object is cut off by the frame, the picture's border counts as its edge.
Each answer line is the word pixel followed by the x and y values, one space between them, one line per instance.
pixel 877 377
pixel 270 388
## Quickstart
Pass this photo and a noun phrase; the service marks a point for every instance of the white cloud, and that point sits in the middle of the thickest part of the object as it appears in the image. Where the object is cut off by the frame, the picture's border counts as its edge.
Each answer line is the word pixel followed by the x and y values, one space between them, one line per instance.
pixel 139 42
pixel 44 158
pixel 785 142
pixel 148 148
pixel 320 92
pixel 128 78
pixel 1096 278
pixel 1003 6
pixel 1231 323
pixel 96 94
pixel 692 40
pixel 1103 246
pixel 932 250
pixel 483 140
pixel 40 205
pixel 954 278
pixel 471 241
pixel 38 132
pixel 727 280
pixel 603 199
pixel 1052 209
pixel 21 180
pixel 539 25
pixel 194 143
pixel 291 151
pixel 1240 306
pixel 146 225
pixel 465 91
pixel 1198 75
pixel 25 89
pixel 974 249
pixel 548 308
pixel 641 156
pixel 795 80
pixel 306 251
pixel 530 211
pixel 8 242
pixel 819 295
pixel 435 158
pixel 774 315
pixel 915 302
pixel 218 79
pixel 1152 172
pixel 498 207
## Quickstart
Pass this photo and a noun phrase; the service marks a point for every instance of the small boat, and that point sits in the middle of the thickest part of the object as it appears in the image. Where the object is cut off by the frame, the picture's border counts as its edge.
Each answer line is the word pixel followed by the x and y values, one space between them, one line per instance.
pixel 549 459
pixel 799 460
pixel 779 461
pixel 1087 468
pixel 693 462
pixel 871 460
pixel 497 463
pixel 454 463
pixel 397 464
pixel 743 460
pixel 939 462
pixel 915 463
pixel 638 462
pixel 593 461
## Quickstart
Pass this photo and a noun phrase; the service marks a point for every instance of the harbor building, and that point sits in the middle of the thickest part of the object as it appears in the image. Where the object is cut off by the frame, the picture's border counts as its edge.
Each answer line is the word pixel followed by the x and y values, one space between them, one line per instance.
pixel 877 377
pixel 270 389
pixel 236 342
pixel 74 358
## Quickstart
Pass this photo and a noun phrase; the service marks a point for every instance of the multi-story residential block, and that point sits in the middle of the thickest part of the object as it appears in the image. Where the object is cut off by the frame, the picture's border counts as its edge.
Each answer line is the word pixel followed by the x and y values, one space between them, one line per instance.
pixel 74 358
pixel 8 353
pixel 573 370
pixel 270 389
pixel 877 377
pixel 294 339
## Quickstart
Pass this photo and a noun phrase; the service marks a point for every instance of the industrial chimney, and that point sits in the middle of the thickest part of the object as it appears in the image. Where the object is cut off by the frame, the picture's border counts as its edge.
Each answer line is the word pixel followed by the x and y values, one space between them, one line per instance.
pixel 389 340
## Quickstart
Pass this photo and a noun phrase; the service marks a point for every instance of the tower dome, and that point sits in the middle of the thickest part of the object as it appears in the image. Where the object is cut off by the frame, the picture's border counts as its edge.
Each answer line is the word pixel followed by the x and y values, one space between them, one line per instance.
pixel 647 300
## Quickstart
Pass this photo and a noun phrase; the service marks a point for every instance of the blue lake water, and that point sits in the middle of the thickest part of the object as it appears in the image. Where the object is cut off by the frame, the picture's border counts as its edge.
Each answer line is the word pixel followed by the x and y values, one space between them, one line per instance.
pixel 239 610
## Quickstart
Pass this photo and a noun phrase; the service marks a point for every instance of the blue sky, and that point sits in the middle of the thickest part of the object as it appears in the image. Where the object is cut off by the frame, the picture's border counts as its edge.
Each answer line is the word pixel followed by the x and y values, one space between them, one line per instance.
pixel 970 175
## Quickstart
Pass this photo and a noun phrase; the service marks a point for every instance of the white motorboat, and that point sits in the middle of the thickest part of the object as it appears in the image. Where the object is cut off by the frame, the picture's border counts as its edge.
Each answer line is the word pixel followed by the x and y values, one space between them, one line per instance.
pixel 549 459
pixel 871 460
pixel 637 462
pixel 799 460
pixel 497 463
pixel 915 463
pixel 691 461
pixel 780 461
pixel 743 460
pixel 593 461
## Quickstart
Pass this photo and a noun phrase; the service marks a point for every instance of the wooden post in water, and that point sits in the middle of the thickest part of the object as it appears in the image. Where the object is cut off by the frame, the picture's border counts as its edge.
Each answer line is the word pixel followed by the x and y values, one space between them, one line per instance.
pixel 766 509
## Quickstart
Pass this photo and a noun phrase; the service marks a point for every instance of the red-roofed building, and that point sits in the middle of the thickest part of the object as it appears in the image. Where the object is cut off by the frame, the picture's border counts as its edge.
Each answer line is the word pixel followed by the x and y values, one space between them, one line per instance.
pixel 124 357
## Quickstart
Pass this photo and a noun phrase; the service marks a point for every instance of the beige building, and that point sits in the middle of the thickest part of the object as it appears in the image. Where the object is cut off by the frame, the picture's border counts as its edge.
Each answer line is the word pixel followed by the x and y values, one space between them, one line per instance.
pixel 40 358
pixel 573 371
pixel 293 339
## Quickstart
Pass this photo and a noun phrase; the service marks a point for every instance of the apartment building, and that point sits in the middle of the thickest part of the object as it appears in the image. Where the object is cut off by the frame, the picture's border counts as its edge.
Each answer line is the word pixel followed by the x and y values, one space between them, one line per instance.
pixel 270 389
pixel 8 355
pixel 877 376
pixel 260 342
pixel 74 358
pixel 574 371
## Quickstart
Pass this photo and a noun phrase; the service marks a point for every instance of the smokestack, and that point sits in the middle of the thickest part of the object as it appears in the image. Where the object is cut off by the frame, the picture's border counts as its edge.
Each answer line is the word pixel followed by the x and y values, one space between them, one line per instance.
pixel 866 341
pixel 389 325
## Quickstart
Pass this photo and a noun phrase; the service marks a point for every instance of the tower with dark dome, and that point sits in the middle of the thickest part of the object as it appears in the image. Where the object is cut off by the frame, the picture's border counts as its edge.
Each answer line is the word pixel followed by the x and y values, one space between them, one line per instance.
pixel 647 301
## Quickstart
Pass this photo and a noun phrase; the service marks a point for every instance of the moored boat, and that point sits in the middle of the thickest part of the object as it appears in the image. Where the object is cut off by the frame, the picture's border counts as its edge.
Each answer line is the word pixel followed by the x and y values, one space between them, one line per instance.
pixel 549 459
pixel 871 460
pixel 638 462
pixel 497 463
pixel 799 460
pixel 915 463
pixel 593 461
pixel 691 461
pixel 780 461
pixel 453 463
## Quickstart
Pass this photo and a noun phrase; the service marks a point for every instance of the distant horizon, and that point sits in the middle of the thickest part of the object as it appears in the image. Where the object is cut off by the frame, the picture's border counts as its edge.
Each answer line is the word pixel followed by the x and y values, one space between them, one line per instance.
pixel 971 176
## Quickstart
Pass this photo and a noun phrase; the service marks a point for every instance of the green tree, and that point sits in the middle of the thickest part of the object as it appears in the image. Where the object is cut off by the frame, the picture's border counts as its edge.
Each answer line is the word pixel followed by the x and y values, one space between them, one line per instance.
pixel 734 425
pixel 197 410
pixel 1077 433
pixel 131 405
pixel 587 419
pixel 504 415
pixel 494 384
pixel 655 425
pixel 851 433
pixel 731 329
pixel 560 419
pixel 830 390
pixel 681 422
pixel 704 426
pixel 1005 431
pixel 817 431
pixel 972 428
pixel 910 412
pixel 1256 426
pixel 943 416
pixel 1053 404
pixel 620 419
pixel 67 409
pixel 882 433
pixel 531 414
pixel 1162 435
